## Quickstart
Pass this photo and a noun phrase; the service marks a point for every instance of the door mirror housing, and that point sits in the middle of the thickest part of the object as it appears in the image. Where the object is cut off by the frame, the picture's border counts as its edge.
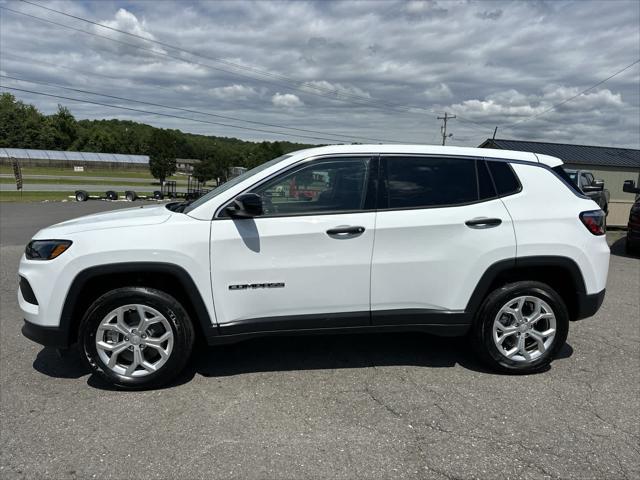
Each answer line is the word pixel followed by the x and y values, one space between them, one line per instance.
pixel 247 205
pixel 596 186
pixel 629 186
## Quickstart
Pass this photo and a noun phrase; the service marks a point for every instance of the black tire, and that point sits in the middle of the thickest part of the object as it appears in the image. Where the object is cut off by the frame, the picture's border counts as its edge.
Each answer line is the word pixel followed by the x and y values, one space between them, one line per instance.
pixel 157 194
pixel 111 195
pixel 175 314
pixel 482 332
pixel 631 248
pixel 81 196
pixel 130 195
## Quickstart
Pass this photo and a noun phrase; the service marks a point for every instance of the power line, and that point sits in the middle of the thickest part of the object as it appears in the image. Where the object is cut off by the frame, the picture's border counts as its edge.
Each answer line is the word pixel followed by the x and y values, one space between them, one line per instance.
pixel 363 101
pixel 292 83
pixel 39 82
pixel 295 82
pixel 39 63
pixel 165 114
pixel 553 107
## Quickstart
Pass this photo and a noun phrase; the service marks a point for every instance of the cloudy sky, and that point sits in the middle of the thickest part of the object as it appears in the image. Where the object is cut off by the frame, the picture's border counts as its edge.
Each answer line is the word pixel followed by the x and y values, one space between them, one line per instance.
pixel 341 71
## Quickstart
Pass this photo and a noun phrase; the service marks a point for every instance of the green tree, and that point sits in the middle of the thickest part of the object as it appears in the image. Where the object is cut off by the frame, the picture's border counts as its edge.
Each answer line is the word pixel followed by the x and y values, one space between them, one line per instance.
pixel 162 154
pixel 215 163
pixel 65 128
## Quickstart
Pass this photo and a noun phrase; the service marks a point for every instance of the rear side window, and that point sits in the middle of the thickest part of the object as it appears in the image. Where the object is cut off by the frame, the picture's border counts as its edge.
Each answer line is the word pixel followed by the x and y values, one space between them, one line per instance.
pixel 414 182
pixel 504 178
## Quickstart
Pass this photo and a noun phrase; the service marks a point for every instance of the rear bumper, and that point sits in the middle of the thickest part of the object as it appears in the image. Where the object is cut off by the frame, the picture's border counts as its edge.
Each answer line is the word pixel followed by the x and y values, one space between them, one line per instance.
pixel 588 305
pixel 47 336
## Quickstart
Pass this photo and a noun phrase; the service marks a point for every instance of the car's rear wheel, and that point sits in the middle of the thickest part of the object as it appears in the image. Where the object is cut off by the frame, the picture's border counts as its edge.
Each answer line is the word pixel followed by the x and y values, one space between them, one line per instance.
pixel 136 337
pixel 521 327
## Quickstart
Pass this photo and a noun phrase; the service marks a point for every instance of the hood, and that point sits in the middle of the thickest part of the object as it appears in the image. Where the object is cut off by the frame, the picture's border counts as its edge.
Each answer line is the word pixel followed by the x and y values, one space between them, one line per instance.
pixel 120 218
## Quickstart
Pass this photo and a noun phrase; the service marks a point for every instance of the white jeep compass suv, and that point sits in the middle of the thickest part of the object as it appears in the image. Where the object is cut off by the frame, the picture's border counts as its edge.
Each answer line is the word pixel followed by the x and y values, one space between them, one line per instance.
pixel 496 244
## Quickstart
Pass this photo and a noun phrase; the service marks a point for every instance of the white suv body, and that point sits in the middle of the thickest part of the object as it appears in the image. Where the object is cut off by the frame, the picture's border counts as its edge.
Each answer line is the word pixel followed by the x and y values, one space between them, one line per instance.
pixel 337 238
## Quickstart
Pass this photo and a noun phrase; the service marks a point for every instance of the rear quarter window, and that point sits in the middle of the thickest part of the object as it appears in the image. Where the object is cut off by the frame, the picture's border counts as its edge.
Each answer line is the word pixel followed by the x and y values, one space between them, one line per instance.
pixel 567 180
pixel 504 178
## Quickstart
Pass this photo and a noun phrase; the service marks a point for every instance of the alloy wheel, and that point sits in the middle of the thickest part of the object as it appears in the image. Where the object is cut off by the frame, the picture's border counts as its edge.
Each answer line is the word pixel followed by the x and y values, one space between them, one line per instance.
pixel 134 340
pixel 524 328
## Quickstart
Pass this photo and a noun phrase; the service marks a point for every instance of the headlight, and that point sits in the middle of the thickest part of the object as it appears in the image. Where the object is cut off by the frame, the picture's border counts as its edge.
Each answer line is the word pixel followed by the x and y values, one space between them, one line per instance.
pixel 46 249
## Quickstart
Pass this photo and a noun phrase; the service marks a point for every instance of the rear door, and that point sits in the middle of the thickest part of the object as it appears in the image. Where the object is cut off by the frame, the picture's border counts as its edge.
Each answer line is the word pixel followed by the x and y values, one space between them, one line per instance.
pixel 304 263
pixel 440 226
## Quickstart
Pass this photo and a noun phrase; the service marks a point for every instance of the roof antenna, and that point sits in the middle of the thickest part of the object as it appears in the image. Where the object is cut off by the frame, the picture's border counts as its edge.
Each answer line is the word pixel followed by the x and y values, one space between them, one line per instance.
pixel 494 133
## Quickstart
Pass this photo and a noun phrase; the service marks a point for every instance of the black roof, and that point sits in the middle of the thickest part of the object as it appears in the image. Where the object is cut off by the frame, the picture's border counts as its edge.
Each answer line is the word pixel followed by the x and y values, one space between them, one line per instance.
pixel 576 154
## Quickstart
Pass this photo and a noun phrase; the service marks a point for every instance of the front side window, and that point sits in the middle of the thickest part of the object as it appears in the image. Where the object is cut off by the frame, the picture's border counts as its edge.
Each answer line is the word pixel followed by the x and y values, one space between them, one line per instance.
pixel 323 186
pixel 235 181
pixel 415 182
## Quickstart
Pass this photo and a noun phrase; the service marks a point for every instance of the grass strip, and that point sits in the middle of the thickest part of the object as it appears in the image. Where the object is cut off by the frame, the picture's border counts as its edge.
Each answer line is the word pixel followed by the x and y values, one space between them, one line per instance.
pixel 78 181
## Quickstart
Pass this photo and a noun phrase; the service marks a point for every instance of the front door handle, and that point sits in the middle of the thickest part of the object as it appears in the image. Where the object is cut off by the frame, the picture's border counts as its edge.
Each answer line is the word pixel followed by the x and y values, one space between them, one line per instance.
pixel 344 231
pixel 483 222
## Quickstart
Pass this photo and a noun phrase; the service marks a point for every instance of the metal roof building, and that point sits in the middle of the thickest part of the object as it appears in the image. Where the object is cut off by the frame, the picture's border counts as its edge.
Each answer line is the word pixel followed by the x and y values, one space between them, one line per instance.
pixel 613 165
pixel 52 157
pixel 586 155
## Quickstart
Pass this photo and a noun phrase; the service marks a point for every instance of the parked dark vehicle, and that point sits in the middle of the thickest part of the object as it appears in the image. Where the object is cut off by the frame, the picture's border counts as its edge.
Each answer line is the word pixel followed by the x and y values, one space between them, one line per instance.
pixel 591 187
pixel 633 227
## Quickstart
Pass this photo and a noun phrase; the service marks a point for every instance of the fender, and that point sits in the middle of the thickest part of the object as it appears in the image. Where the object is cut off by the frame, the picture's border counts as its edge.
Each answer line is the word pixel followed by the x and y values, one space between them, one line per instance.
pixel 506 266
pixel 187 283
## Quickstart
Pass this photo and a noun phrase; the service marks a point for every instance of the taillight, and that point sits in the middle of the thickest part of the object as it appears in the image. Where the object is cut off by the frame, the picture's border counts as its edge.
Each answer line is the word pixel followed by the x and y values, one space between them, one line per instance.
pixel 595 221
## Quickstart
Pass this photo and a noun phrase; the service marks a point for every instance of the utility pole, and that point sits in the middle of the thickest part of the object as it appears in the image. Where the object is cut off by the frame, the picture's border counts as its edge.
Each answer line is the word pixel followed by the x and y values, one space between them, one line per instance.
pixel 443 128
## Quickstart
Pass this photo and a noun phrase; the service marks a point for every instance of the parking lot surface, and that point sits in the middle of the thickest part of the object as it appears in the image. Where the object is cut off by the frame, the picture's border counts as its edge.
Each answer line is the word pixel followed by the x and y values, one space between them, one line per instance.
pixel 383 406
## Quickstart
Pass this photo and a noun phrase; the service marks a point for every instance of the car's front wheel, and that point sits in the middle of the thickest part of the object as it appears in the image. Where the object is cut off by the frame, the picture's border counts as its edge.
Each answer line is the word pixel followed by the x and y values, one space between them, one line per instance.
pixel 520 327
pixel 136 337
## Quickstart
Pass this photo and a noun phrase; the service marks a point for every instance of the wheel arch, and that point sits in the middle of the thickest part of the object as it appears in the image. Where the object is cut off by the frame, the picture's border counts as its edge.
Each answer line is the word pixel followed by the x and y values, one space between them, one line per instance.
pixel 92 282
pixel 560 273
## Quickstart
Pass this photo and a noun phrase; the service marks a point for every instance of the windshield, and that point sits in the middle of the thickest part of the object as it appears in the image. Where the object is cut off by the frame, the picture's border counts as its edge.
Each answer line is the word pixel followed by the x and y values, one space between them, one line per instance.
pixel 233 182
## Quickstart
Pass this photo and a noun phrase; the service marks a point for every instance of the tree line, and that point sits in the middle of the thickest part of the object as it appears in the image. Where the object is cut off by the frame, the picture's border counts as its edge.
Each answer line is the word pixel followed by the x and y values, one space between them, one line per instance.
pixel 24 126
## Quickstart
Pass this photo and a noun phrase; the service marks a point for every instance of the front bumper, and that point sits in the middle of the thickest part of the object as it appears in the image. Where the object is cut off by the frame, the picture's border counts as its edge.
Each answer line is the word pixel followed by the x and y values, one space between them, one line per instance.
pixel 47 336
pixel 588 305
pixel 37 325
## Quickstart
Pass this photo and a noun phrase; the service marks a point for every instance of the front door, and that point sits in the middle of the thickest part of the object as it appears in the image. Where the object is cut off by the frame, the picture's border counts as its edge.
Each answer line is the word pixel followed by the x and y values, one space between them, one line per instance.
pixel 304 263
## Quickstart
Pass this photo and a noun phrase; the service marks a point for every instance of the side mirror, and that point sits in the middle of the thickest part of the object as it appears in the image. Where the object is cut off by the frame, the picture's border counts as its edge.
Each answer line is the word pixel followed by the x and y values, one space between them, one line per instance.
pixel 629 186
pixel 596 186
pixel 247 205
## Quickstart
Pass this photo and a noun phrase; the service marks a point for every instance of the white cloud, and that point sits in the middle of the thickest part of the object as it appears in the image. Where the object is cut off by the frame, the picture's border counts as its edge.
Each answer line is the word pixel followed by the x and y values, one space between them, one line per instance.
pixel 512 103
pixel 233 92
pixel 492 62
pixel 286 100
pixel 128 22
pixel 438 92
pixel 336 90
pixel 125 21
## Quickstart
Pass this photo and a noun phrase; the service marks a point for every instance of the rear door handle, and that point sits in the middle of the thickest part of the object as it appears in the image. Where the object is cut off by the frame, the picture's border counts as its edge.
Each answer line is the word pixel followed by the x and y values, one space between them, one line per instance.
pixel 483 222
pixel 345 231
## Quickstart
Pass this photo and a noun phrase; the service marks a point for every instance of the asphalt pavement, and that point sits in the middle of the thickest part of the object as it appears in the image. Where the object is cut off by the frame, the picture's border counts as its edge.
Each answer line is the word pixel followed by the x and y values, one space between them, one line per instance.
pixel 368 406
